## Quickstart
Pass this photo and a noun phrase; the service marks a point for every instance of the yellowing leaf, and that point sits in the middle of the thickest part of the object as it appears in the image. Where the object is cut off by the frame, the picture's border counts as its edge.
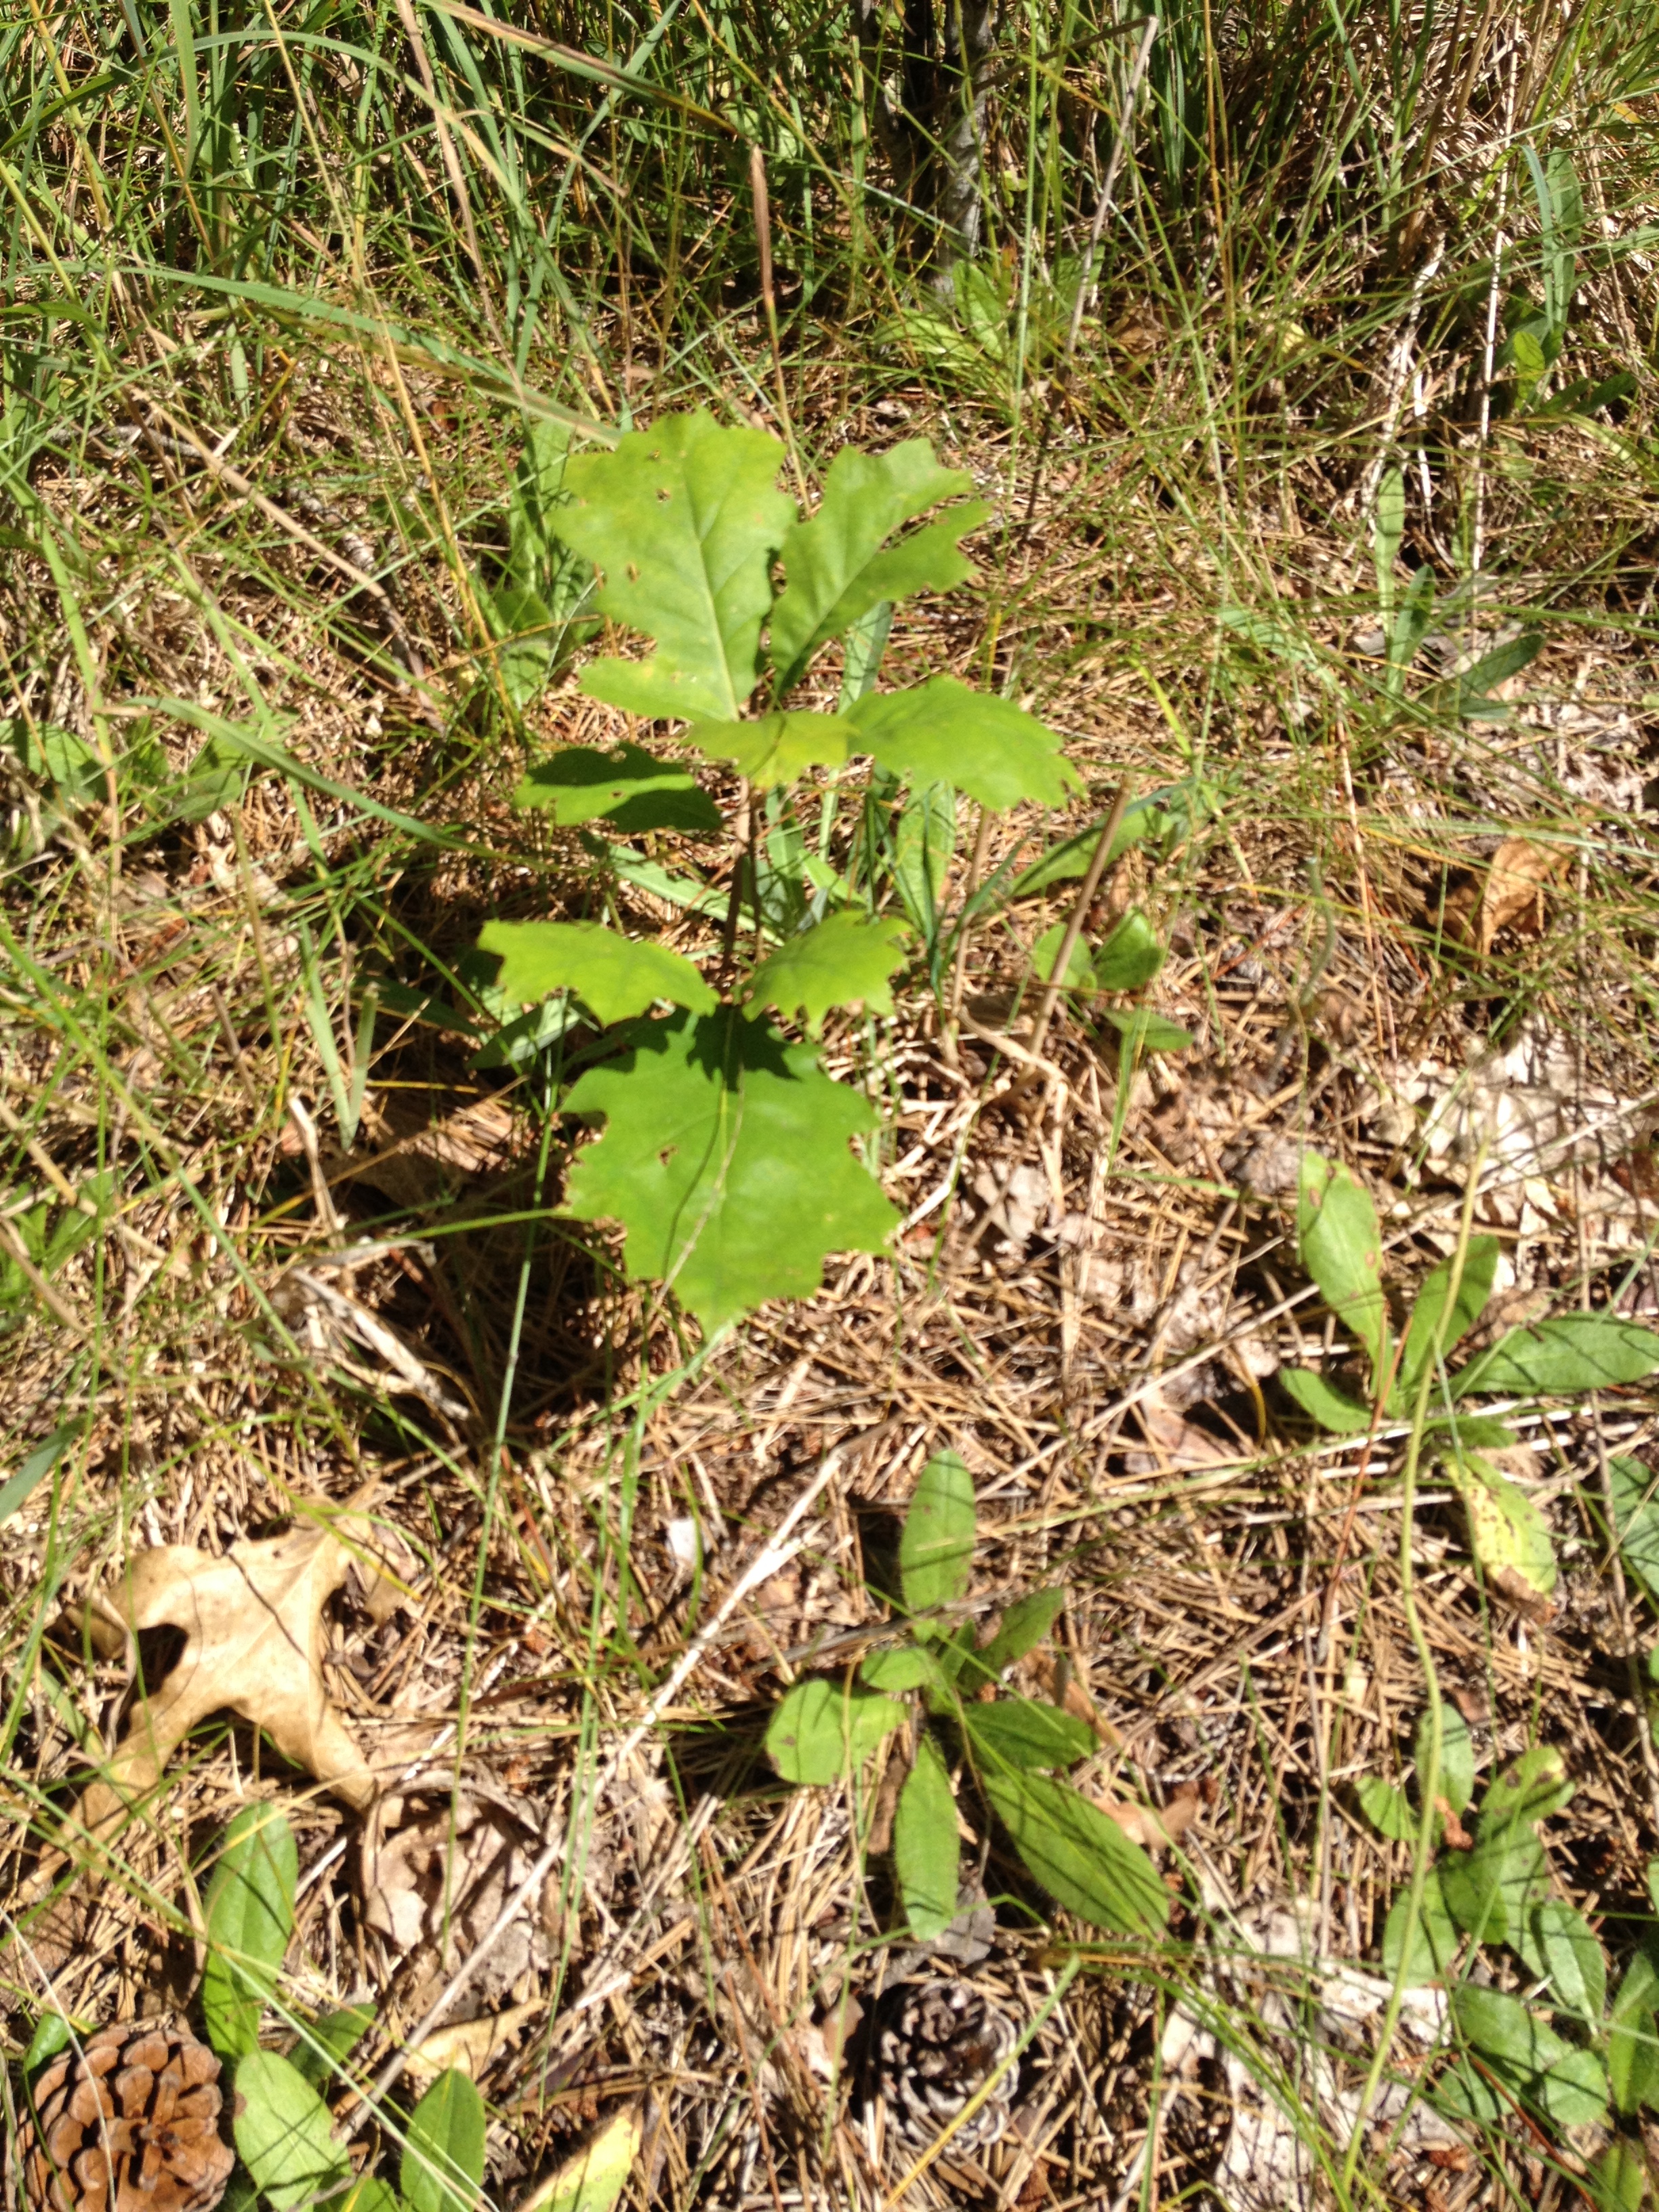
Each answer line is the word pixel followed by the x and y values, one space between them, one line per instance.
pixel 594 2177
pixel 1509 1535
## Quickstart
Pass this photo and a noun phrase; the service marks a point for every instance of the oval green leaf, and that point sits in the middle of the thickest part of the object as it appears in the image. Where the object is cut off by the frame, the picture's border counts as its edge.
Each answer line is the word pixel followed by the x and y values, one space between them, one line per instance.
pixel 1339 1246
pixel 284 2134
pixel 250 1917
pixel 1081 1857
pixel 936 1549
pixel 821 1731
pixel 1574 1351
pixel 1021 1732
pixel 443 2160
pixel 925 1844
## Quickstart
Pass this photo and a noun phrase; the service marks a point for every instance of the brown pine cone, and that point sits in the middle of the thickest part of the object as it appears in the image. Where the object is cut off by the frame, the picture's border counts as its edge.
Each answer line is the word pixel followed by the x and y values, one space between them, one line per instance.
pixel 130 2124
pixel 945 2041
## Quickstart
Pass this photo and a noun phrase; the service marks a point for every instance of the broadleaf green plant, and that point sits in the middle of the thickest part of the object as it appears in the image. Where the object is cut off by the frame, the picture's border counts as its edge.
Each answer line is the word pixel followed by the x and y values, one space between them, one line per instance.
pixel 1340 1242
pixel 537 609
pixel 726 1153
pixel 250 1917
pixel 1569 2053
pixel 1008 1747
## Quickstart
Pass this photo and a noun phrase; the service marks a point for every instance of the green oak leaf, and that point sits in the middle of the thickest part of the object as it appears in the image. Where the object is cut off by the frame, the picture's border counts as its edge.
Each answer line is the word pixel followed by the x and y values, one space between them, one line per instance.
pixel 629 787
pixel 843 961
pixel 725 1158
pixel 613 975
pixel 775 749
pixel 942 732
pixel 682 519
pixel 835 567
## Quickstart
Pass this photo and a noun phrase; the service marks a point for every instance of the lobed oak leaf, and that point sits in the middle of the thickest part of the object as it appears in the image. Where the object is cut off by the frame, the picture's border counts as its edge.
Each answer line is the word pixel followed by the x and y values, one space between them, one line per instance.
pixel 253 1623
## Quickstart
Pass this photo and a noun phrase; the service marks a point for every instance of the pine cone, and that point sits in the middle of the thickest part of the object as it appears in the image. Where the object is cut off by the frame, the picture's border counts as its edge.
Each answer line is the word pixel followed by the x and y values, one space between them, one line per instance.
pixel 944 2042
pixel 130 2124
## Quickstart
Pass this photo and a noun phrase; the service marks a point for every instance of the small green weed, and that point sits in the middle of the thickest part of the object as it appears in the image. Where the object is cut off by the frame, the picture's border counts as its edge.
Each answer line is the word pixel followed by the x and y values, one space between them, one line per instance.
pixel 1566 2050
pixel 824 1731
pixel 725 1149
pixel 1340 1246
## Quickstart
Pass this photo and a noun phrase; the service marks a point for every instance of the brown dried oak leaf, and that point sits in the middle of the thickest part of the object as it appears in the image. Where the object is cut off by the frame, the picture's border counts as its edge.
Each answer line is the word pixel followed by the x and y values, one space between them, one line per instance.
pixel 253 1623
pixel 1510 896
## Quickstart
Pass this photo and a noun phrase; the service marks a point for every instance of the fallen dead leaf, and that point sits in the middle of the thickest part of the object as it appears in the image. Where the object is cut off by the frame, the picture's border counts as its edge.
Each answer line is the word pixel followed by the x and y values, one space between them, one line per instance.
pixel 593 2178
pixel 1510 896
pixel 1153 1830
pixel 1178 1445
pixel 471 2044
pixel 1530 1603
pixel 435 1884
pixel 253 1632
